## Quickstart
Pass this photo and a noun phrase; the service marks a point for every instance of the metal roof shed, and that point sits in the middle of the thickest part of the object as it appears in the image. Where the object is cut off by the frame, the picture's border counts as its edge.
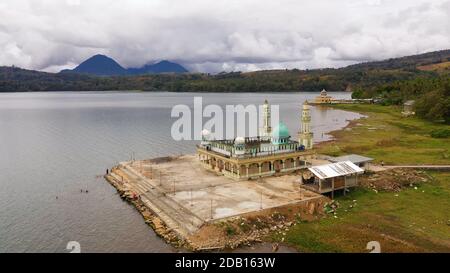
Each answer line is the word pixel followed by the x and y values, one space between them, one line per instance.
pixel 354 158
pixel 361 161
pixel 335 169
pixel 331 177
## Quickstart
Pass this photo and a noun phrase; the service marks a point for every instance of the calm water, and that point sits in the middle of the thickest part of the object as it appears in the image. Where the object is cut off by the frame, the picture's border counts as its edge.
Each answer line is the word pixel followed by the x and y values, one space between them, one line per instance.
pixel 54 144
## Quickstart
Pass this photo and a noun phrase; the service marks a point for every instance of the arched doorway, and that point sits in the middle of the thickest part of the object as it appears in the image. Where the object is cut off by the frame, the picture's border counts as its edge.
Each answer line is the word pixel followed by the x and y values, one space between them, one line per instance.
pixel 277 165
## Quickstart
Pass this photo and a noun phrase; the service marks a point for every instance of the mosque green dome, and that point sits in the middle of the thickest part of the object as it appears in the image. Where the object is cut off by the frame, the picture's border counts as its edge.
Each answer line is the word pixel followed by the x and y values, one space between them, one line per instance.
pixel 279 133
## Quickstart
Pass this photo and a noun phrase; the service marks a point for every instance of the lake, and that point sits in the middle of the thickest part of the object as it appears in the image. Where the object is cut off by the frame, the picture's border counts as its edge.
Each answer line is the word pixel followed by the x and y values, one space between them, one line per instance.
pixel 52 145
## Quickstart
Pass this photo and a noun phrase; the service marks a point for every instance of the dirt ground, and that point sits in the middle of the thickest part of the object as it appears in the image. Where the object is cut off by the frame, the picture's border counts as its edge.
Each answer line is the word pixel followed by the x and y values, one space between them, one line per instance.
pixel 394 179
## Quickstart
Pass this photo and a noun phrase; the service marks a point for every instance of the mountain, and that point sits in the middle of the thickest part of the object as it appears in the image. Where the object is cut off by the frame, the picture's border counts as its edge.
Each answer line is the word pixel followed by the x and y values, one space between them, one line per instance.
pixel 356 77
pixel 161 67
pixel 100 65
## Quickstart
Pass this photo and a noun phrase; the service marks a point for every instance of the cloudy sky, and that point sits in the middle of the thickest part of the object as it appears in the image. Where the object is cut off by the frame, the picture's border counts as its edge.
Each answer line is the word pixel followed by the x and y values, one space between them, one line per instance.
pixel 219 35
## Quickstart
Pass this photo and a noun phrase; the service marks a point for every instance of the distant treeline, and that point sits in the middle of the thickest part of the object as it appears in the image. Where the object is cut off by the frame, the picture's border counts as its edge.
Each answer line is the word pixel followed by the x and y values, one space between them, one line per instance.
pixel 431 95
pixel 16 79
pixel 347 78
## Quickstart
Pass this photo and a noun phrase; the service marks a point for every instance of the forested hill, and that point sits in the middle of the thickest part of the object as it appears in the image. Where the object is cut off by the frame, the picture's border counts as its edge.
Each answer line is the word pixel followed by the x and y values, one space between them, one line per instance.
pixel 408 62
pixel 428 65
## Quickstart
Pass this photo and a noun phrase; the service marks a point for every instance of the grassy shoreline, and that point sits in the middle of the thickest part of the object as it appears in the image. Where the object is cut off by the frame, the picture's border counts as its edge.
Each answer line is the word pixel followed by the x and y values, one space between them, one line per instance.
pixel 386 135
pixel 413 220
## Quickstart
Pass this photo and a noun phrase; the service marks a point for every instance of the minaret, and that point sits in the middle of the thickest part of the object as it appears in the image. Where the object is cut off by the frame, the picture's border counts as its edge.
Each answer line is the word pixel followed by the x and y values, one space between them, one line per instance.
pixel 305 136
pixel 266 130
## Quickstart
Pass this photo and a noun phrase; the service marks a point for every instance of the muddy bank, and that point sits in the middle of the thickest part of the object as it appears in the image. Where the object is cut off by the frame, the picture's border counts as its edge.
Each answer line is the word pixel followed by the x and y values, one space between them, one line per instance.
pixel 149 216
pixel 337 134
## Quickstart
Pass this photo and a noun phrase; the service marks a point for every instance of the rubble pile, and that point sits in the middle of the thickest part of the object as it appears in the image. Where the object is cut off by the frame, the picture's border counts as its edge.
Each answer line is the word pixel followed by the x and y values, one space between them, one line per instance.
pixel 254 227
pixel 394 179
pixel 331 207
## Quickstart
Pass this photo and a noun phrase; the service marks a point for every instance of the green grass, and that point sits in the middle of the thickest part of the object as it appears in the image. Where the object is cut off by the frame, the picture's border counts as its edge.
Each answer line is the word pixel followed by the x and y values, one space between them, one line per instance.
pixel 387 136
pixel 408 221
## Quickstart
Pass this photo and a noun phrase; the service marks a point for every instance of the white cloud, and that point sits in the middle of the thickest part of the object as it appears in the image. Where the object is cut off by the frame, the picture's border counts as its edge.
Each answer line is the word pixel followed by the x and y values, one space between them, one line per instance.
pixel 218 35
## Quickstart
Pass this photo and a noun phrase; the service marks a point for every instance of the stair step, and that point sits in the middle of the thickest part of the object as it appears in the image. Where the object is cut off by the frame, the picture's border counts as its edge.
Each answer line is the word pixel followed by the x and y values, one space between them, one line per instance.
pixel 170 211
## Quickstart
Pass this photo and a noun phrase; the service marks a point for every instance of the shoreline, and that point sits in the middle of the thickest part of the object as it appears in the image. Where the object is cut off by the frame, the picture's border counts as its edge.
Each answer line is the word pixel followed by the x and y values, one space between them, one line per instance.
pixel 196 242
pixel 385 211
pixel 351 124
pixel 150 218
pixel 223 233
pixel 298 233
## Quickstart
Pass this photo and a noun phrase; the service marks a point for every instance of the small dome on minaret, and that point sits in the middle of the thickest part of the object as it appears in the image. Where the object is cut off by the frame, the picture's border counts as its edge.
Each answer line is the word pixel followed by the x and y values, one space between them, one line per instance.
pixel 306 105
pixel 239 140
pixel 205 134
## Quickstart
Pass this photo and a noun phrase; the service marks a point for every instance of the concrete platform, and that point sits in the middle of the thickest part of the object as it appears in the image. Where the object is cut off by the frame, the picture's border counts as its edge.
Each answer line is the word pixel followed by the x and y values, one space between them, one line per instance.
pixel 231 199
pixel 189 195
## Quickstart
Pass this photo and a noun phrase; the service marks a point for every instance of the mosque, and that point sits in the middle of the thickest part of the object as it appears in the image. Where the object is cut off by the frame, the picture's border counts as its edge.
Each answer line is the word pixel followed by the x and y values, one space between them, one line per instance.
pixel 323 98
pixel 272 152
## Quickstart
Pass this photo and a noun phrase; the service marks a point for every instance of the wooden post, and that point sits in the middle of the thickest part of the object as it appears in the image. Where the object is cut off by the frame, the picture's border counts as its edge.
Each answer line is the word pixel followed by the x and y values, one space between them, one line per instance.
pixel 211 210
pixel 345 185
pixel 332 188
